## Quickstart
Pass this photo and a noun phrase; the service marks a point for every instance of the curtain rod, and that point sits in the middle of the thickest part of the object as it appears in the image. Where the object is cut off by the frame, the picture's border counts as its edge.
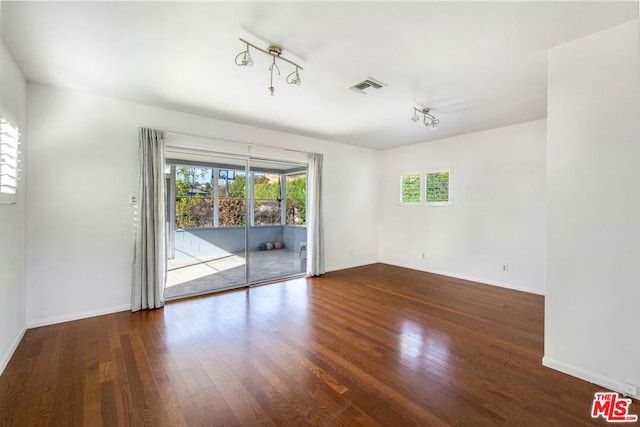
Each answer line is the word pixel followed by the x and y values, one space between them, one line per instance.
pixel 235 142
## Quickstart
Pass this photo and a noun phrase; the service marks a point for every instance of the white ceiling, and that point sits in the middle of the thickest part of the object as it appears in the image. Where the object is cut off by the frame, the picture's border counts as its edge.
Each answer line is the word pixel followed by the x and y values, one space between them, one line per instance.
pixel 478 65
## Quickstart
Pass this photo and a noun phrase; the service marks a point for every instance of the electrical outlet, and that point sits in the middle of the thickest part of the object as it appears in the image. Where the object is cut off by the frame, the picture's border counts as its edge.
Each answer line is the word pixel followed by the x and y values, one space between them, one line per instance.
pixel 133 200
pixel 505 268
pixel 423 256
pixel 629 389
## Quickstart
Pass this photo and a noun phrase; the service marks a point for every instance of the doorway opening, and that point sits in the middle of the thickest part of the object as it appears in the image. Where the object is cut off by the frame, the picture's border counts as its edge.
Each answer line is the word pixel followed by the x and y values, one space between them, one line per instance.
pixel 233 222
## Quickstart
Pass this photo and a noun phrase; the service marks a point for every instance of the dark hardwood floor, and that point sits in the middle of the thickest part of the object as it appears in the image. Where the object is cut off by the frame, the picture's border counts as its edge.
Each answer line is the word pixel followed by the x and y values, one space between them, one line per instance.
pixel 375 345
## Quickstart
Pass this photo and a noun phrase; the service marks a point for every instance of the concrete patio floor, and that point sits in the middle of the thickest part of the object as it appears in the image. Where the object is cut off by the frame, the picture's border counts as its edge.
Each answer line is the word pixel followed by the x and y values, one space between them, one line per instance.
pixel 197 275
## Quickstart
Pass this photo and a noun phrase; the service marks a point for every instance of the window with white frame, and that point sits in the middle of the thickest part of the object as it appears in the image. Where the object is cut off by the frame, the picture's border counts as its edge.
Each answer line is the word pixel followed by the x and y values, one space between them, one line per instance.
pixel 427 188
pixel 207 195
pixel 410 188
pixel 9 160
pixel 438 187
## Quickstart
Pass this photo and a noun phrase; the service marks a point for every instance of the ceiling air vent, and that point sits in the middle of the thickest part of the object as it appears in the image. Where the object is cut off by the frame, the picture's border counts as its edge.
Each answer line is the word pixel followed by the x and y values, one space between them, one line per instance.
pixel 367 85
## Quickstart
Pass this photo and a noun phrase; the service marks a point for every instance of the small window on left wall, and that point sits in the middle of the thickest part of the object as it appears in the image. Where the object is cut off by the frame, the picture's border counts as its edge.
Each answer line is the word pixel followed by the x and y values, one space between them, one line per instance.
pixel 9 159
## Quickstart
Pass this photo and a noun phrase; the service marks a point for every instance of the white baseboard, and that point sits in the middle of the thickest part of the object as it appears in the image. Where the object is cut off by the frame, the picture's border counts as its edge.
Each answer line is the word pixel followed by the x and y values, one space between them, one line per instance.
pixel 469 278
pixel 35 323
pixel 597 379
pixel 347 266
pixel 12 348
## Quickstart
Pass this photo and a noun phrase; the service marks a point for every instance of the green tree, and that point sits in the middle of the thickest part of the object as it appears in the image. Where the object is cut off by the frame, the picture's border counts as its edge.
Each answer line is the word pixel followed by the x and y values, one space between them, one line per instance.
pixel 236 188
pixel 182 188
pixel 232 210
pixel 297 188
pixel 193 210
pixel 191 175
pixel 266 187
pixel 296 199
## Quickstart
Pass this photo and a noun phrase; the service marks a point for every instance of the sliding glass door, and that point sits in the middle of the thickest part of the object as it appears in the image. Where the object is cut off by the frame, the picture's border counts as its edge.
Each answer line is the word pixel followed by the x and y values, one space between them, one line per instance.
pixel 232 222
pixel 277 235
pixel 206 226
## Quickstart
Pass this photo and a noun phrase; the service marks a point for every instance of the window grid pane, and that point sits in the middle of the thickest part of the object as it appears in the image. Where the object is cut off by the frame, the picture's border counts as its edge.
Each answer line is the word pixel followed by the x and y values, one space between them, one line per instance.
pixel 437 187
pixel 267 199
pixel 232 203
pixel 410 188
pixel 296 199
pixel 194 202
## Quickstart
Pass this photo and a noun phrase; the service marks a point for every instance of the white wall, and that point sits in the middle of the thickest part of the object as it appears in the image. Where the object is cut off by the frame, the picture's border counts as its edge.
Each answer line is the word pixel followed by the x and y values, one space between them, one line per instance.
pixel 498 212
pixel 593 209
pixel 13 98
pixel 83 166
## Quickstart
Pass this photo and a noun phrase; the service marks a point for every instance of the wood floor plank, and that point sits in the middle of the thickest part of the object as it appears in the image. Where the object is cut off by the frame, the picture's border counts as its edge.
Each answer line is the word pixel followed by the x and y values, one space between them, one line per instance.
pixel 373 345
pixel 108 408
pixel 314 404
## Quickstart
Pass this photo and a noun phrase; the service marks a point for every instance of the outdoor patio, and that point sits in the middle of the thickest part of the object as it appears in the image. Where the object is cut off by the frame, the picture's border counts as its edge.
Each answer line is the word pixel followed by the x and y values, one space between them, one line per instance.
pixel 200 274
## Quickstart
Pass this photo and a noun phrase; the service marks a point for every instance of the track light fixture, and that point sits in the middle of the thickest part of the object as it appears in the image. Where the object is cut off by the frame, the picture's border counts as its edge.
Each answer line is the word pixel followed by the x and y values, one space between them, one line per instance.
pixel 428 119
pixel 294 78
pixel 243 59
pixel 246 60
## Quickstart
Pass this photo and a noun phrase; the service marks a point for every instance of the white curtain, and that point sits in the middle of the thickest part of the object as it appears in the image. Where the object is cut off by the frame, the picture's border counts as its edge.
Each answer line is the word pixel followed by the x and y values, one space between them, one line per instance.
pixel 315 227
pixel 149 264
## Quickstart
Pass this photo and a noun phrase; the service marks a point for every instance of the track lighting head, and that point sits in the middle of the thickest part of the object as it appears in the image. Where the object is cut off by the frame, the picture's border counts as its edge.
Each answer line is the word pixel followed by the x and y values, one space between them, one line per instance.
pixel 246 60
pixel 294 78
